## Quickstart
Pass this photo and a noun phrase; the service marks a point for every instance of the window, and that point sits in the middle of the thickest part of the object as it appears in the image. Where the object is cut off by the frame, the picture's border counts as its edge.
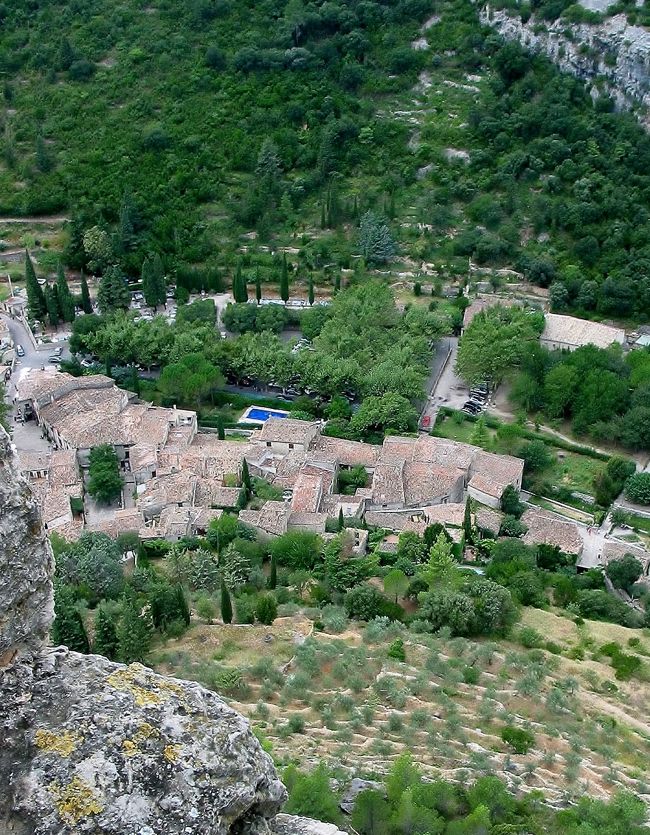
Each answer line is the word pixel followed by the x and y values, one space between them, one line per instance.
pixel 290 446
pixel 268 443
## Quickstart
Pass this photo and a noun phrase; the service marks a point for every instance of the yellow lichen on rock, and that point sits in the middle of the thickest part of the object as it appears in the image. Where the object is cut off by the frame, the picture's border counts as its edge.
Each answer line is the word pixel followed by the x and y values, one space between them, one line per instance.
pixel 129 748
pixel 63 743
pixel 144 686
pixel 171 753
pixel 144 732
pixel 75 801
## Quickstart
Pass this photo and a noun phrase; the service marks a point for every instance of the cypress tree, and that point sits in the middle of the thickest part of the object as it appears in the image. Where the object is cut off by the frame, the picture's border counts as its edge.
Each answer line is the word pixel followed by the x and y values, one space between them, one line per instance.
pixel 258 286
pixel 273 576
pixel 341 520
pixel 158 273
pixel 467 522
pixel 149 288
pixel 337 283
pixel 246 476
pixel 36 304
pixel 226 604
pixel 284 280
pixel 323 217
pixel 52 306
pixel 68 628
pixel 182 604
pixel 105 642
pixel 86 304
pixel 311 290
pixel 221 432
pixel 66 302
pixel 134 631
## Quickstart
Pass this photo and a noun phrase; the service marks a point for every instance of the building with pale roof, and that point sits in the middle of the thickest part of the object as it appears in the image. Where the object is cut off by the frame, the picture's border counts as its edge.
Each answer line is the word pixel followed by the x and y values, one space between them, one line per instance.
pixel 569 333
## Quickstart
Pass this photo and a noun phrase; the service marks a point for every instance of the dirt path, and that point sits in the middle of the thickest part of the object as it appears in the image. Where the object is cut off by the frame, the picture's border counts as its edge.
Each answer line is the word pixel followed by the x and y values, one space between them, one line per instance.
pixel 49 219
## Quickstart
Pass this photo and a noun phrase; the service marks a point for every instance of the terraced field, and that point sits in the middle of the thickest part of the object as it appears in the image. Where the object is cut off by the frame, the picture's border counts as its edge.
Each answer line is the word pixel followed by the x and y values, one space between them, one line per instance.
pixel 313 695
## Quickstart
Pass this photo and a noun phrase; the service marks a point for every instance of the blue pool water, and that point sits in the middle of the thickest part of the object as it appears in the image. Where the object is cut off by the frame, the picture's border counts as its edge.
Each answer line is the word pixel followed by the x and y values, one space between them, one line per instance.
pixel 264 414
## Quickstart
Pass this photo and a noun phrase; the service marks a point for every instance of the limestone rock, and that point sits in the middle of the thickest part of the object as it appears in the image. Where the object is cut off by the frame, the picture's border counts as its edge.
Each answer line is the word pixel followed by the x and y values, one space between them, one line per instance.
pixel 26 565
pixel 613 53
pixel 356 786
pixel 88 746
pixel 292 825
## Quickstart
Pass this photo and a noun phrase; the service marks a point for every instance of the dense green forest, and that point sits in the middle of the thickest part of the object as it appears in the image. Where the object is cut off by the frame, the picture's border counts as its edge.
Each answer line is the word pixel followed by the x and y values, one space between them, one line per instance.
pixel 180 127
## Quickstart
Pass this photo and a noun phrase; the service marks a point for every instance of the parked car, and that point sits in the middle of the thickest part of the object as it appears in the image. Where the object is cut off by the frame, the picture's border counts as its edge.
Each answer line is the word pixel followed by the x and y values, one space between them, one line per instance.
pixel 55 360
pixel 20 351
pixel 57 352
pixel 471 408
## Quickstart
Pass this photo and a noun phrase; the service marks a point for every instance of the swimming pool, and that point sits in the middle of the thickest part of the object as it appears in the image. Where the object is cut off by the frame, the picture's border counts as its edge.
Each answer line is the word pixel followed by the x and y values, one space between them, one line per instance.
pixel 259 414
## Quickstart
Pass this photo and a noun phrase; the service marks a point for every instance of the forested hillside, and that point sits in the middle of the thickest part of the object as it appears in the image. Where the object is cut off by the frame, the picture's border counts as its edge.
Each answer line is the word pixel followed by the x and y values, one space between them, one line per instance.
pixel 182 126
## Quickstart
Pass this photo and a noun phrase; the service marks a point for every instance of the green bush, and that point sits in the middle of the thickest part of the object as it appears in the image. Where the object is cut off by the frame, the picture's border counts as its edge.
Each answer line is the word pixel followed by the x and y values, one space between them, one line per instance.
pixel 520 740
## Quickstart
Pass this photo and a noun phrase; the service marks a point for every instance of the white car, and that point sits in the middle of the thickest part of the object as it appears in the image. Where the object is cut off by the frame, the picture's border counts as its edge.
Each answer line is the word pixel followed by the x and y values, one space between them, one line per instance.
pixel 20 351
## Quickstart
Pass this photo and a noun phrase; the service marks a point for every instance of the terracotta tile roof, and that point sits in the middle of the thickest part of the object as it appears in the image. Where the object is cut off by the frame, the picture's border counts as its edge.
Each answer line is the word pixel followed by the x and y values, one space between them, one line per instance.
pixel 425 483
pixel 446 514
pixel 307 492
pixel 211 492
pixel 489 519
pixel 288 431
pixel 486 485
pixel 123 521
pixel 614 550
pixel 172 489
pixel 388 483
pixel 548 528
pixel 271 518
pixel 349 453
pixel 311 521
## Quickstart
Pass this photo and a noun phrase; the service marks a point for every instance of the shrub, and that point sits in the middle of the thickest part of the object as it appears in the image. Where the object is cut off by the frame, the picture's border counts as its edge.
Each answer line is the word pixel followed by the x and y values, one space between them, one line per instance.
pixel 530 638
pixel 396 650
pixel 266 609
pixel 520 740
pixel 637 488
pixel 296 724
pixel 471 675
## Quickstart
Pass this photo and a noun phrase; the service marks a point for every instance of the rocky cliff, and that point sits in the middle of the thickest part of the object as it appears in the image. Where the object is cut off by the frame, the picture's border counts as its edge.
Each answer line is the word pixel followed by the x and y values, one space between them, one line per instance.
pixel 613 58
pixel 88 746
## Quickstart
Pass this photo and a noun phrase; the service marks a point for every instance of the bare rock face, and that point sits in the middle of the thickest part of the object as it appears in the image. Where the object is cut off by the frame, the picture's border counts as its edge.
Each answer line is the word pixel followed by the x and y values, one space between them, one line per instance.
pixel 611 57
pixel 292 825
pixel 26 565
pixel 88 746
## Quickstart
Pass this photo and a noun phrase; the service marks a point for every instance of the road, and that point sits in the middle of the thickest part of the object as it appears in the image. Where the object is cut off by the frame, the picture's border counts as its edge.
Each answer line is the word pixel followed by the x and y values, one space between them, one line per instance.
pixel 32 358
pixel 450 390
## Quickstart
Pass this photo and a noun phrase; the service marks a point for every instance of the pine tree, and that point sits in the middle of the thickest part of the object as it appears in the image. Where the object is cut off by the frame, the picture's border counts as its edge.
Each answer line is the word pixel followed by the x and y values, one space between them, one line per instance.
pixel 258 286
pixel 221 432
pixel 284 280
pixel 114 293
pixel 246 477
pixel 467 522
pixel 105 642
pixel 36 304
pixel 86 304
pixel 134 631
pixel 52 306
pixel 226 604
pixel 479 436
pixel 273 575
pixel 375 243
pixel 310 292
pixel 66 302
pixel 68 628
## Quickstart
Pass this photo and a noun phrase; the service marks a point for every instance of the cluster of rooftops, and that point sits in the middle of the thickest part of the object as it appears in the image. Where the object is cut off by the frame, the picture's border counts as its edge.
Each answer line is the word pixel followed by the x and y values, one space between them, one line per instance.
pixel 182 478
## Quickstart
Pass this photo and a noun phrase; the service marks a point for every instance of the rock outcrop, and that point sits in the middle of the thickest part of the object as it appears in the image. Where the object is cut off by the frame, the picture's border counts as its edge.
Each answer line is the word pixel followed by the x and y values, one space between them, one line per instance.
pixel 88 746
pixel 612 57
